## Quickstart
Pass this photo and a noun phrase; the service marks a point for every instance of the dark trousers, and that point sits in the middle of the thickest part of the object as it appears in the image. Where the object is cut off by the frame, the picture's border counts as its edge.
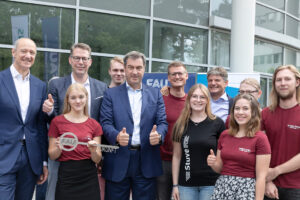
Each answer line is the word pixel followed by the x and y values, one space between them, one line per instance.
pixel 19 182
pixel 164 182
pixel 142 188
pixel 287 194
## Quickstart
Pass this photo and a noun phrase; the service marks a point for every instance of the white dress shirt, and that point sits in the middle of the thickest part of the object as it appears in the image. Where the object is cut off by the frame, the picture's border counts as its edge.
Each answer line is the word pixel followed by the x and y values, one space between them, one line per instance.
pixel 87 86
pixel 23 90
pixel 135 100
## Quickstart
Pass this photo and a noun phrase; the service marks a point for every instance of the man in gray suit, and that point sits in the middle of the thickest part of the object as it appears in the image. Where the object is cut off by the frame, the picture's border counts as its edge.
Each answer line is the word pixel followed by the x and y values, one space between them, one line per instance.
pixel 80 60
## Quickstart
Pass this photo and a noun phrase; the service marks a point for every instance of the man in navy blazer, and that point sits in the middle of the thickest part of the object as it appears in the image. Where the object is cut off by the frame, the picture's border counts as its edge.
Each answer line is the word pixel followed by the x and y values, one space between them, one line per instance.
pixel 80 60
pixel 133 116
pixel 23 133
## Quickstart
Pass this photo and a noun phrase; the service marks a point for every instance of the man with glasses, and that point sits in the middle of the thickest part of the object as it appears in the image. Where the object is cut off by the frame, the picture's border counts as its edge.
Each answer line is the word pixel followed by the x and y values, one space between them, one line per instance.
pixel 174 100
pixel 217 81
pixel 80 61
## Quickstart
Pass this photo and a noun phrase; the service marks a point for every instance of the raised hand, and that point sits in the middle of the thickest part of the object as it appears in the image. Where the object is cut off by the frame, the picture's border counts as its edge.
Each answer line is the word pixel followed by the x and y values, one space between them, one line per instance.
pixel 48 104
pixel 123 137
pixel 154 136
pixel 211 158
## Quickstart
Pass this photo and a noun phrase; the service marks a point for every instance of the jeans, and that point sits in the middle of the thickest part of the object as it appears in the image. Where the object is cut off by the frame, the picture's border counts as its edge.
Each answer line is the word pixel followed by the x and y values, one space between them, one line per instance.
pixel 196 193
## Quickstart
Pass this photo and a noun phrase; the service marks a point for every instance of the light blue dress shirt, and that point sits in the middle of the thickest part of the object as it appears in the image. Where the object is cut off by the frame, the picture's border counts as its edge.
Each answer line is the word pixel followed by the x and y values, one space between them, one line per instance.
pixel 220 107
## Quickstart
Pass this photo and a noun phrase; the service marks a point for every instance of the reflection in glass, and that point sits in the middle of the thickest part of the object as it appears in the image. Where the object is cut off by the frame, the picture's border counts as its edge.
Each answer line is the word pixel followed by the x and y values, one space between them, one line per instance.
pixel 269 19
pixel 221 8
pixel 163 67
pixel 113 34
pixel 220 48
pixel 71 2
pixel 140 7
pixel 293 7
pixel 266 57
pixel 175 42
pixel 189 11
pixel 274 3
pixel 292 27
pixel 263 97
pixel 292 57
pixel 36 15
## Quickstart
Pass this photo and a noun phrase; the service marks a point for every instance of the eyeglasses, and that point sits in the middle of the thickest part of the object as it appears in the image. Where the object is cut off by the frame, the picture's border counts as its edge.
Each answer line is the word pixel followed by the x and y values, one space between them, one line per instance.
pixel 180 74
pixel 247 91
pixel 77 59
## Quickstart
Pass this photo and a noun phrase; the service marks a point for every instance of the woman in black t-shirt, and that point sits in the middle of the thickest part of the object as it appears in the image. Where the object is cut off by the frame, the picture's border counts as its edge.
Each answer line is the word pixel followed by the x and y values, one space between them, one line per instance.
pixel 196 132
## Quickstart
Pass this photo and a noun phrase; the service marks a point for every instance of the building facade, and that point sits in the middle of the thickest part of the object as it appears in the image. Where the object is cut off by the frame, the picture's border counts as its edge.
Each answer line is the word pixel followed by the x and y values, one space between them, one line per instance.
pixel 196 32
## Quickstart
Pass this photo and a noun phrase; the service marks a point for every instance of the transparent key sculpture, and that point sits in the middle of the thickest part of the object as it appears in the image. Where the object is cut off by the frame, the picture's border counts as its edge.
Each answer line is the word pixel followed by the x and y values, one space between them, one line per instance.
pixel 71 140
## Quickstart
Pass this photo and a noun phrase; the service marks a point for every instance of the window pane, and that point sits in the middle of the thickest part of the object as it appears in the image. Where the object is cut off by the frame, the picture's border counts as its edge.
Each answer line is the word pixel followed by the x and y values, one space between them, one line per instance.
pixel 192 11
pixel 292 57
pixel 72 2
pixel 140 7
pixel 292 27
pixel 99 69
pixel 220 49
pixel 221 8
pixel 263 97
pixel 113 34
pixel 269 56
pixel 274 3
pixel 51 18
pixel 175 42
pixel 163 67
pixel 269 19
pixel 293 7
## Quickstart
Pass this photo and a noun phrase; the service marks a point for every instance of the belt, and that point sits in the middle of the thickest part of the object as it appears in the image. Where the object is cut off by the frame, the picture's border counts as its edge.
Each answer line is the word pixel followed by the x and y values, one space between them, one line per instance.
pixel 135 147
pixel 23 142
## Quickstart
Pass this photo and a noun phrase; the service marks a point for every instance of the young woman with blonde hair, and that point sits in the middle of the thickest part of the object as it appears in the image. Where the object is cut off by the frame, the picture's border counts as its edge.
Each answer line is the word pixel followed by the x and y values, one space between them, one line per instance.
pixel 195 132
pixel 77 175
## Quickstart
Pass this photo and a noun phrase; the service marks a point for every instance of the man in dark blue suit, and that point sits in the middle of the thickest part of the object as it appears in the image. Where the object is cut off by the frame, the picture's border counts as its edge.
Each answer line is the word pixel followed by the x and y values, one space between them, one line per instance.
pixel 80 60
pixel 133 116
pixel 23 133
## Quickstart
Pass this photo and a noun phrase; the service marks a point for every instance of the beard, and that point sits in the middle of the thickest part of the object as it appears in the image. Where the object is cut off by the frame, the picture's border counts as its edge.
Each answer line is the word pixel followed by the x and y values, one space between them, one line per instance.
pixel 286 96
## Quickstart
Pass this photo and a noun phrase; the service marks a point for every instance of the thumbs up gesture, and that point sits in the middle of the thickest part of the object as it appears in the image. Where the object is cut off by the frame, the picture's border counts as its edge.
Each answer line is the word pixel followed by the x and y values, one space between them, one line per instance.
pixel 48 104
pixel 211 158
pixel 123 137
pixel 154 138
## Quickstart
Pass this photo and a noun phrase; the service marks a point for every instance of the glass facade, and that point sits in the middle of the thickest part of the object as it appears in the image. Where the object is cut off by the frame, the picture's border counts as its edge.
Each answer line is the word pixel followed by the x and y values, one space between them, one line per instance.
pixel 164 30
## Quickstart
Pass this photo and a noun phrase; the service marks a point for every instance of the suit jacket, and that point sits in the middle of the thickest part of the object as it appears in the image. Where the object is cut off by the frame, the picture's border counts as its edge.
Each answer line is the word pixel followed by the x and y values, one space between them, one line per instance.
pixel 58 88
pixel 12 127
pixel 116 114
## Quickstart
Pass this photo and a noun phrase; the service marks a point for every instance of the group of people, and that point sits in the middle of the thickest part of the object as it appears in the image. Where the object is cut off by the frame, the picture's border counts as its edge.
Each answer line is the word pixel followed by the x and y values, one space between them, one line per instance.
pixel 199 145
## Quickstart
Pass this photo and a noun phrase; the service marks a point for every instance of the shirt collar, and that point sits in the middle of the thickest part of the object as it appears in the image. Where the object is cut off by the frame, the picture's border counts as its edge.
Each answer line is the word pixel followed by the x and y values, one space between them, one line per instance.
pixel 85 84
pixel 224 97
pixel 17 75
pixel 130 88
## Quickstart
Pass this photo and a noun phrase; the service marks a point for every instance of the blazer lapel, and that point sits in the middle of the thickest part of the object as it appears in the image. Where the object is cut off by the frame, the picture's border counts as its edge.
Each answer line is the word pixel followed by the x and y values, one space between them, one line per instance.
pixel 11 88
pixel 126 105
pixel 144 99
pixel 32 85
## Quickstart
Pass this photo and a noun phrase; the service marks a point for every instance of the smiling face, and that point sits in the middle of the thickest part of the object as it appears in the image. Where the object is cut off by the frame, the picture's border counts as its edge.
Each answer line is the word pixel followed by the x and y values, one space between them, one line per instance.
pixel 80 61
pixel 198 101
pixel 177 76
pixel 216 86
pixel 77 100
pixel 134 72
pixel 24 54
pixel 242 112
pixel 117 73
pixel 286 84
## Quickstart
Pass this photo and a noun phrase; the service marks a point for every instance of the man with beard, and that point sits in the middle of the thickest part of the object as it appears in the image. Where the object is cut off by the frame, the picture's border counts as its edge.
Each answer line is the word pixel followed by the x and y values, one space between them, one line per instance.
pixel 217 81
pixel 281 123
